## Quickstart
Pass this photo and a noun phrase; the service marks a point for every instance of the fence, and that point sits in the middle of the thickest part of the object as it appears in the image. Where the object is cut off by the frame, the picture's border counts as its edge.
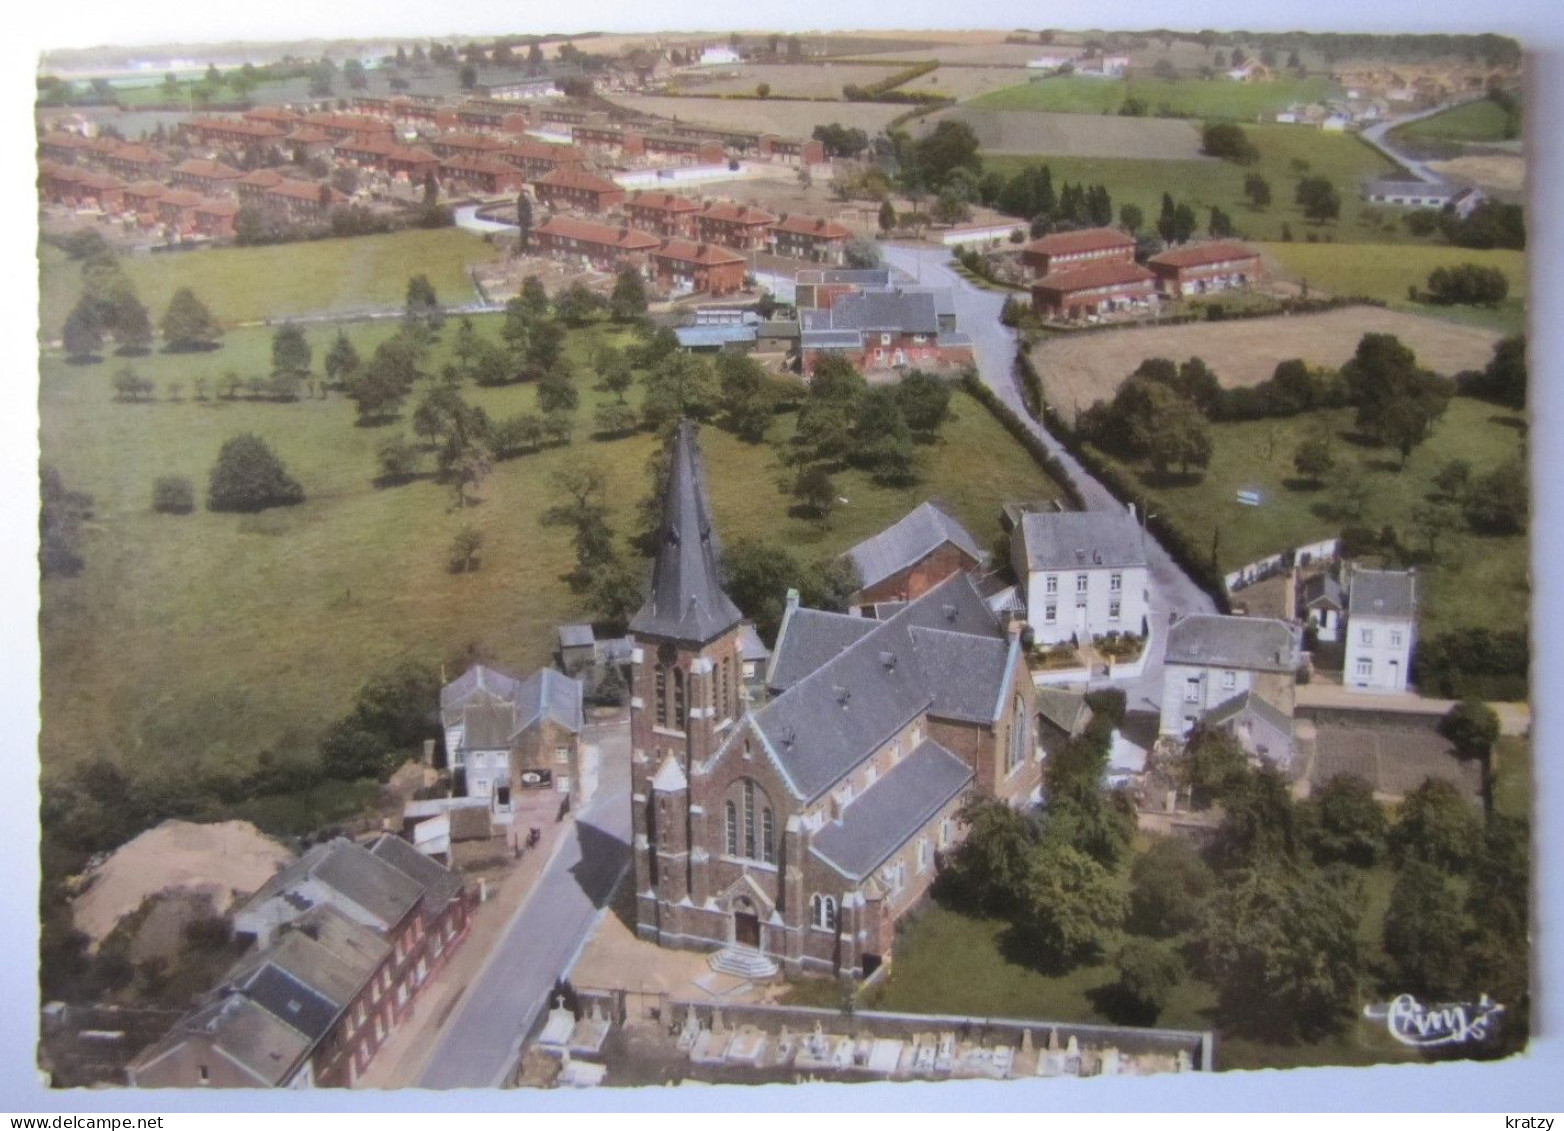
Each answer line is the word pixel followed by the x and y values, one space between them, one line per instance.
pixel 1327 550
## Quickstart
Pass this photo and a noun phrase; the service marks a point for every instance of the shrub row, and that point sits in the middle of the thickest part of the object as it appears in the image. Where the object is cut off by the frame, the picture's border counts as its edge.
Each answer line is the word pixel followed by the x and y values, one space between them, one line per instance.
pixel 877 91
pixel 1030 381
pixel 1013 424
pixel 1483 662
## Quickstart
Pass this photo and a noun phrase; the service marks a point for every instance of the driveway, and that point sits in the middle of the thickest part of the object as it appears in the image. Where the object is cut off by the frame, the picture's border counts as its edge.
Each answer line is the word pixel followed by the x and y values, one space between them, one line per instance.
pixel 1173 593
pixel 483 1037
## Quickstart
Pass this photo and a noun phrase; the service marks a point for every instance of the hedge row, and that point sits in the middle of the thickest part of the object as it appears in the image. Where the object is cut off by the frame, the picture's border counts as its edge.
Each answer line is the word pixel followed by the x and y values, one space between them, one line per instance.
pixel 1216 312
pixel 1192 559
pixel 1031 383
pixel 1013 424
pixel 1482 662
pixel 875 90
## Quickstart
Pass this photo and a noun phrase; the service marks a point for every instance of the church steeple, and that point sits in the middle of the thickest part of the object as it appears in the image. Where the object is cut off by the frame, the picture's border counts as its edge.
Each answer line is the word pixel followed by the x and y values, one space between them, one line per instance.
pixel 687 602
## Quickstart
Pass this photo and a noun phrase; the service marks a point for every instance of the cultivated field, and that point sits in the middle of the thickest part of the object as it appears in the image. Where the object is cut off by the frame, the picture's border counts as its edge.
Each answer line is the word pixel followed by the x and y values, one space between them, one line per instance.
pixel 139 650
pixel 247 284
pixel 790 119
pixel 1080 368
pixel 1497 172
pixel 979 54
pixel 1200 98
pixel 963 83
pixel 1003 132
pixel 1385 274
pixel 1286 154
pixel 1483 120
pixel 788 80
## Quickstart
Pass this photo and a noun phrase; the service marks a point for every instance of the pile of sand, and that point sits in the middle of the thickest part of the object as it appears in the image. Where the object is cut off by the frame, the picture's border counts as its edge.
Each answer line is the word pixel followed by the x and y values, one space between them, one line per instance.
pixel 218 861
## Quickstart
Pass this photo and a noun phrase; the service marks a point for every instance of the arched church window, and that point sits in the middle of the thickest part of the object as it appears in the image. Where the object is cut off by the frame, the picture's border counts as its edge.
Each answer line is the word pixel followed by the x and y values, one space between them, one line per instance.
pixel 660 694
pixel 680 709
pixel 768 836
pixel 749 820
pixel 733 829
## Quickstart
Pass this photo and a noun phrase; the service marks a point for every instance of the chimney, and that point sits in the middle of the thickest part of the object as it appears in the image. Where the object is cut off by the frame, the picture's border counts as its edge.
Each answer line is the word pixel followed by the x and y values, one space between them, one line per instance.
pixel 792 600
pixel 429 752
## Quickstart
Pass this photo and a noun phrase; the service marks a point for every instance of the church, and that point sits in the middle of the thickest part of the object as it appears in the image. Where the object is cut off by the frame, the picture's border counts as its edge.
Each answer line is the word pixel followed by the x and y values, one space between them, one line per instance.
pixel 793 834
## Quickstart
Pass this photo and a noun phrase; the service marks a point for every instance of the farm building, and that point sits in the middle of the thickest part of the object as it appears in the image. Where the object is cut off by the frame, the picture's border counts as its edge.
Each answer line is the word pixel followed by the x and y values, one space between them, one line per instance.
pixel 1424 194
pixel 1201 267
pixel 1064 251
pixel 910 557
pixel 882 329
pixel 1098 289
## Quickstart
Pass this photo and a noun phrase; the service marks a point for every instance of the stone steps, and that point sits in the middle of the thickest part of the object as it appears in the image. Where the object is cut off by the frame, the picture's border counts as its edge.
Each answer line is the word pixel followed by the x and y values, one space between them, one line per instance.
pixel 743 962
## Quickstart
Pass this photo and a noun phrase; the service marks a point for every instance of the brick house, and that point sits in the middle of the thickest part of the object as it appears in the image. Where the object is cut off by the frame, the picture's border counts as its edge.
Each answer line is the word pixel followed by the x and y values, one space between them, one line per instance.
pixel 883 329
pixel 214 217
pixel 237 132
pixel 1199 268
pixel 538 158
pixel 253 186
pixel 141 200
pixel 1064 251
pixel 791 150
pixel 134 162
pixel 302 200
pixel 810 237
pixel 176 210
pixel 685 150
pixel 576 189
pixel 795 835
pixel 211 178
pixel 80 188
pixel 340 127
pixel 610 140
pixel 738 226
pixel 684 266
pixel 274 116
pixel 480 174
pixel 666 213
pixel 603 247
pixel 308 141
pixel 907 559
pixel 466 145
pixel 345 938
pixel 1097 289
pixel 64 147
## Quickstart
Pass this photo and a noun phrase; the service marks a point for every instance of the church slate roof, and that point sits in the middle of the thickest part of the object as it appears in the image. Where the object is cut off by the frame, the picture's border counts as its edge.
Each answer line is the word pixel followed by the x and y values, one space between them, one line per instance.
pixel 809 638
pixel 919 533
pixel 827 721
pixel 687 602
pixel 883 818
pixel 971 672
pixel 1082 540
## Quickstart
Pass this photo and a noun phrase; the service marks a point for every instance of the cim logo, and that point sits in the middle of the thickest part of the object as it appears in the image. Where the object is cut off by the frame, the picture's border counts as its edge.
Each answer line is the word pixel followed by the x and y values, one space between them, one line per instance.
pixel 1431 1026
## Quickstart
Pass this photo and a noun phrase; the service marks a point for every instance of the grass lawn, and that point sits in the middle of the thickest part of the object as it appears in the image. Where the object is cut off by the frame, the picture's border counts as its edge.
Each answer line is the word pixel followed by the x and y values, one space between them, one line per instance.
pixel 1474 581
pixel 248 284
pixel 1482 120
pixel 211 637
pixel 1345 160
pixel 1512 786
pixel 948 962
pixel 1197 98
pixel 1378 272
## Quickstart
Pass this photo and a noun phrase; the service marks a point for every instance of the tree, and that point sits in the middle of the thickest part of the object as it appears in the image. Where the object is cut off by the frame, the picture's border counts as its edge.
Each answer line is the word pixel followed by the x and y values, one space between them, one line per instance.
pixel 423 306
pixel 1452 479
pixel 1503 379
pixel 381 387
pixel 1314 457
pixel 557 389
pixel 1500 501
pixel 615 594
pixel 1258 190
pixel 1148 971
pixel 582 507
pixel 1260 823
pixel 342 360
pixel 127 319
pixel 1318 199
pixel 1281 947
pixel 1468 284
pixel 1213 766
pixel 249 477
pixel 1472 727
pixel 83 333
pixel 613 372
pixel 1228 141
pixel 1498 908
pixel 1220 225
pixel 746 396
pixel 882 439
pixel 1180 437
pixel 577 305
pixel 628 300
pixel 925 402
pixel 861 253
pixel 1347 825
pixel 1398 403
pixel 951 145
pixel 465 548
pixel 173 494
pixel 188 324
pixel 1072 905
pixel 467 76
pixel 394 712
pixel 815 491
pixel 290 350
pixel 887 218
pixel 1424 934
pixel 990 871
pixel 1131 218
pixel 680 385
pixel 1436 826
pixel 763 90
pixel 1168 883
pixel 130 385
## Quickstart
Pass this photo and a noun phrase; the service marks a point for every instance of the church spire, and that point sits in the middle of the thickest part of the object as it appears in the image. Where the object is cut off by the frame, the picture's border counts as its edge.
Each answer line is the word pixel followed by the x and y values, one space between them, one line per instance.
pixel 687 602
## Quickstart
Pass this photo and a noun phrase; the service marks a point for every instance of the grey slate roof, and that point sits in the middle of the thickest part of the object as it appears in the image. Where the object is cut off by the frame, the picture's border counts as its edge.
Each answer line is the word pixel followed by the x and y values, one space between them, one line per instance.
pixel 549 694
pixel 1081 540
pixel 1439 189
pixel 1382 593
pixel 291 1001
pixel 245 1032
pixel 892 311
pixel 1251 643
pixel 576 636
pixel 809 638
pixel 1248 703
pixel 454 695
pixel 1064 709
pixel 859 276
pixel 755 650
pixel 826 722
pixel 687 602
pixel 916 535
pixel 967 672
pixel 439 882
pixel 1322 588
pixel 830 339
pixel 377 887
pixel 487 724
pixel 882 819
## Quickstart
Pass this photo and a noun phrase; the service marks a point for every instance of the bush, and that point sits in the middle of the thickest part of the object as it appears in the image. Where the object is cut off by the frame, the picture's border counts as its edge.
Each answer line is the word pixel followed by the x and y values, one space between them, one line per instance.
pixel 249 477
pixel 1468 284
pixel 173 494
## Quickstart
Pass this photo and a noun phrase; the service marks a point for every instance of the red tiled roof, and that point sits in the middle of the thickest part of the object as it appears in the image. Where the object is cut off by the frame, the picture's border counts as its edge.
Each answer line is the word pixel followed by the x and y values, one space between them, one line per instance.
pixel 1087 239
pixel 358 122
pixel 307 135
pixel 93 179
pixel 181 198
pixel 199 167
pixel 65 140
pixel 738 213
pixel 218 207
pixel 140 154
pixel 274 114
pixel 305 190
pixel 569 176
pixel 380 146
pixel 472 141
pixel 706 254
pixel 411 155
pixel 1094 275
pixel 237 126
pixel 626 239
pixel 663 202
pixel 479 165
pixel 262 178
pixel 527 149
pixel 1199 254
pixel 815 226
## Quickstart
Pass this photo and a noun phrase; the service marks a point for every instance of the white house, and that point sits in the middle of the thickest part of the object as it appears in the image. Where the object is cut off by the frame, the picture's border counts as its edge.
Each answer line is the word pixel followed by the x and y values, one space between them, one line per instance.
pixel 1212 660
pixel 1323 604
pixel 490 718
pixel 719 57
pixel 1381 630
pixel 1083 574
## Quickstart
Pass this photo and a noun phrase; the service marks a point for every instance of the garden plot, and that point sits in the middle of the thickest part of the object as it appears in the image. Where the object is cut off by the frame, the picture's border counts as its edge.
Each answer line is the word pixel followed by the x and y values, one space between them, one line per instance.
pixel 787 119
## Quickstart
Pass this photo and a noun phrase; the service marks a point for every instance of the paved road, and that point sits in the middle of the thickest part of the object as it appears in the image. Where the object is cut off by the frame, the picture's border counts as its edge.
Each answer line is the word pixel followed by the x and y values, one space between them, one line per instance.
pixel 977 314
pixel 483 1037
pixel 1377 136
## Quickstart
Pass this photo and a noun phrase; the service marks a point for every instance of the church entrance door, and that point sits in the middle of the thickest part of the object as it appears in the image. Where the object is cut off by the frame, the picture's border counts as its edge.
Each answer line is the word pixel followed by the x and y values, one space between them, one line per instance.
pixel 746 925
